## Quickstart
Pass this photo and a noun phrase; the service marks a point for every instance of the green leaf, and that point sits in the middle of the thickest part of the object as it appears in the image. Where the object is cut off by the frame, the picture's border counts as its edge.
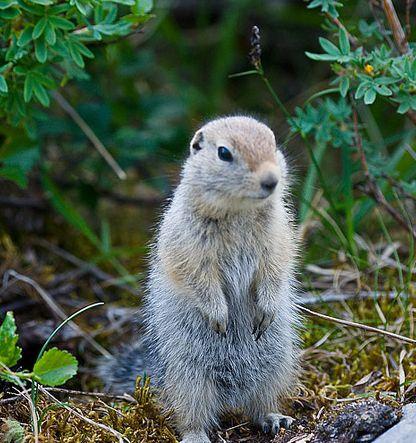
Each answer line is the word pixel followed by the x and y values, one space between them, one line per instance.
pixel 59 9
pixel 327 6
pixel 76 56
pixel 344 43
pixel 403 108
pixel 55 367
pixel 41 94
pixel 28 88
pixel 50 34
pixel 329 47
pixel 383 90
pixel 81 7
pixel 142 7
pixel 25 36
pixel 105 237
pixel 10 354
pixel 43 2
pixel 3 85
pixel 4 4
pixel 369 96
pixel 41 52
pixel 61 23
pixel 39 28
pixel 9 14
pixel 124 2
pixel 321 57
pixel 344 85
pixel 362 88
pixel 82 49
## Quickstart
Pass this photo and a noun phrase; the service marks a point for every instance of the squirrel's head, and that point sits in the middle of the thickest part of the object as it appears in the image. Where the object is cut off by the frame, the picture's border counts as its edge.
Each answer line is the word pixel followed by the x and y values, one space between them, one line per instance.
pixel 234 163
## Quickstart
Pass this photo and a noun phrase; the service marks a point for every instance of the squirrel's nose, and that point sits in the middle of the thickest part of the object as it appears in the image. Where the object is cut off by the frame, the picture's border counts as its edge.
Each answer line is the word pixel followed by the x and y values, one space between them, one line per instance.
pixel 269 182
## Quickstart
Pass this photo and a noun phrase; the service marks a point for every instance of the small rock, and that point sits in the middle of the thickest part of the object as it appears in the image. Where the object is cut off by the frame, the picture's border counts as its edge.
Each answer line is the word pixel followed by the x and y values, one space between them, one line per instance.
pixel 404 431
pixel 357 422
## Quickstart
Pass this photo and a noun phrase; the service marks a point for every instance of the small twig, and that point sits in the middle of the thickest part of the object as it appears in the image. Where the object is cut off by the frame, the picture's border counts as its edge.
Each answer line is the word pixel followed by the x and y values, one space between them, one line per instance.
pixel 334 297
pixel 125 397
pixel 353 40
pixel 86 129
pixel 54 307
pixel 409 4
pixel 372 189
pixel 117 434
pixel 356 325
pixel 396 27
pixel 380 24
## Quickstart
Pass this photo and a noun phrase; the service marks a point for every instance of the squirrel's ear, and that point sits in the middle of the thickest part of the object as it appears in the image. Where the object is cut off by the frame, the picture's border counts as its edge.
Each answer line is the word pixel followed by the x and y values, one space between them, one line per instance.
pixel 196 142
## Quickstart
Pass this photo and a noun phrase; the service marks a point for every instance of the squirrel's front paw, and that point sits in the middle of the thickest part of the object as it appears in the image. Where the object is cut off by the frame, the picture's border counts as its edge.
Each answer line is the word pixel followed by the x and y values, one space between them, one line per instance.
pixel 262 320
pixel 217 318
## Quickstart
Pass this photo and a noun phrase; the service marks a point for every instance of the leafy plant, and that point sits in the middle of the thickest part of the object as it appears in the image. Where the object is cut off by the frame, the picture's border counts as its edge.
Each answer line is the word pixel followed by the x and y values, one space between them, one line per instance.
pixel 54 367
pixel 44 44
pixel 368 69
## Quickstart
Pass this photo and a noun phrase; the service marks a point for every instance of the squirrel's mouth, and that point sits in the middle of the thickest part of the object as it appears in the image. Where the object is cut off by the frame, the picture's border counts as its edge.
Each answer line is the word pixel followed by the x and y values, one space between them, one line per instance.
pixel 260 197
pixel 263 195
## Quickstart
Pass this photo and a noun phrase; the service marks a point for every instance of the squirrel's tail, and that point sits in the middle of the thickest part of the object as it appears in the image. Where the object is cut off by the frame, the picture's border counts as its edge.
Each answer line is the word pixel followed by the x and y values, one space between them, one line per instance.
pixel 119 372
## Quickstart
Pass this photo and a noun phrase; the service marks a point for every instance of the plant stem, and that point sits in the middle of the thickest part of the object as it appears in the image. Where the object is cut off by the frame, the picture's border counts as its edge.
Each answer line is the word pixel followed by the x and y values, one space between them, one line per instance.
pixel 34 391
pixel 283 108
pixel 273 94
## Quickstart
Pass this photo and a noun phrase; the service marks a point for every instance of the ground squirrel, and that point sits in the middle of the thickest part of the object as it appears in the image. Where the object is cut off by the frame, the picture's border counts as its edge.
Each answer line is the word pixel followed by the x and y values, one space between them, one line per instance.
pixel 219 312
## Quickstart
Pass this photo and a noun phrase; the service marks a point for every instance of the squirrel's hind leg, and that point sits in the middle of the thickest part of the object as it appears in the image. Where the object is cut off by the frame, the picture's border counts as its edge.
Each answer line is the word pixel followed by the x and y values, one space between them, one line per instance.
pixel 264 412
pixel 195 400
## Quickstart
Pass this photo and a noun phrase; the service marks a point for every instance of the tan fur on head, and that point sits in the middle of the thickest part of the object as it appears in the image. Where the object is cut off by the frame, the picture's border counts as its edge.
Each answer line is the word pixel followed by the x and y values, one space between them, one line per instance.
pixel 236 184
pixel 253 140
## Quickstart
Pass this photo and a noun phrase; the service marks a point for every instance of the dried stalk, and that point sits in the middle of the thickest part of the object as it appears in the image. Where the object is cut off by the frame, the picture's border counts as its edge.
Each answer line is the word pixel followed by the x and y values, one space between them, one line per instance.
pixel 126 398
pixel 335 297
pixel 86 129
pixel 396 27
pixel 409 4
pixel 356 325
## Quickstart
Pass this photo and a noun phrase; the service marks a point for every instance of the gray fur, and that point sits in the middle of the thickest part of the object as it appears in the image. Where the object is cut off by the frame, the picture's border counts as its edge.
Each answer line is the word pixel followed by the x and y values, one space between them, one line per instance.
pixel 220 321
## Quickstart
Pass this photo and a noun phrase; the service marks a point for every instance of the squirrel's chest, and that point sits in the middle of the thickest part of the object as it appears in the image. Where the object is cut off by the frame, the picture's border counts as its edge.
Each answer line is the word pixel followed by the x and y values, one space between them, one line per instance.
pixel 238 266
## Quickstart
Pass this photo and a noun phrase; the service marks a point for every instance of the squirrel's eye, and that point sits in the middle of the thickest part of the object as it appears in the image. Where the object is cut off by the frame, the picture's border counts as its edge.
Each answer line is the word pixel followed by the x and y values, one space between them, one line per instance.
pixel 225 154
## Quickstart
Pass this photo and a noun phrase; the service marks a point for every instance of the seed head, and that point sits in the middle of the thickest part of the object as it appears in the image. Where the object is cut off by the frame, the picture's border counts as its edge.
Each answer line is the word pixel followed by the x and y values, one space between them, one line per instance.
pixel 255 48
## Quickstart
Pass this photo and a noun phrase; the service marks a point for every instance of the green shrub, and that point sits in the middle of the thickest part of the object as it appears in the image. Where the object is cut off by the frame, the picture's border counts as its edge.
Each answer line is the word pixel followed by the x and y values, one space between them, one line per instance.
pixel 44 45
